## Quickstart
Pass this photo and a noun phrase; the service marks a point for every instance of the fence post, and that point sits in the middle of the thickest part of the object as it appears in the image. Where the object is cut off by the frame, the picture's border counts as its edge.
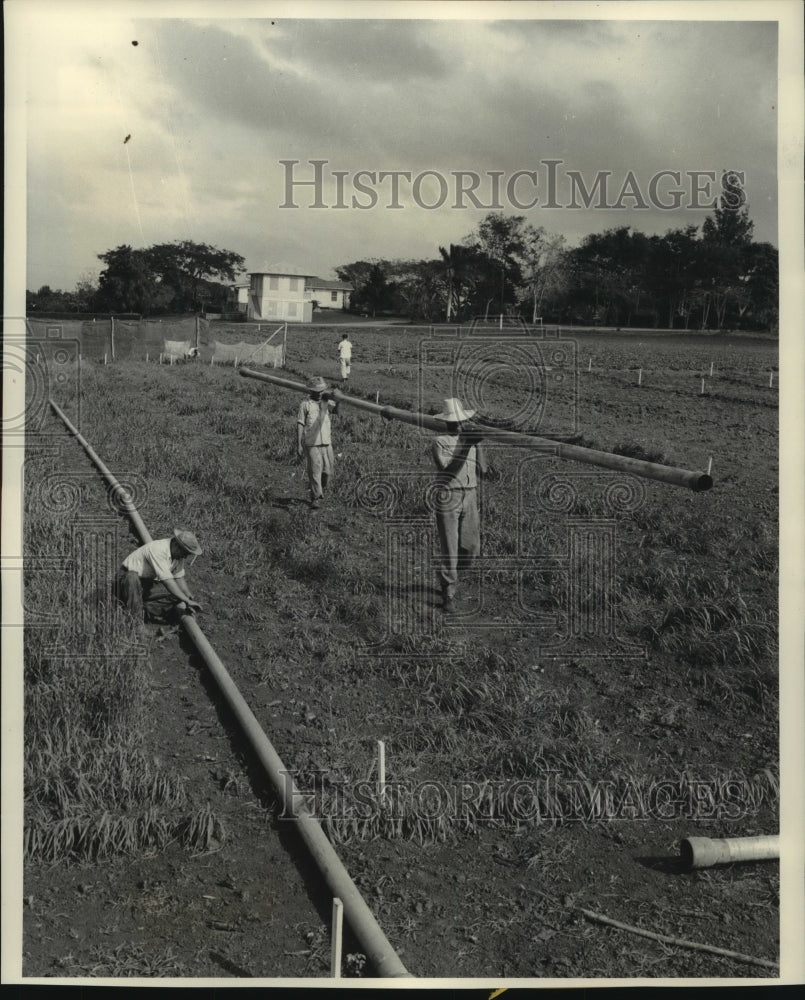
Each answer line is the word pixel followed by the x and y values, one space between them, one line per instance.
pixel 112 337
pixel 338 927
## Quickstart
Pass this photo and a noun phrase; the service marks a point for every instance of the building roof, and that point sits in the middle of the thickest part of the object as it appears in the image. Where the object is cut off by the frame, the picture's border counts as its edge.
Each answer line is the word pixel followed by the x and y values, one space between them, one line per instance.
pixel 328 285
pixel 281 267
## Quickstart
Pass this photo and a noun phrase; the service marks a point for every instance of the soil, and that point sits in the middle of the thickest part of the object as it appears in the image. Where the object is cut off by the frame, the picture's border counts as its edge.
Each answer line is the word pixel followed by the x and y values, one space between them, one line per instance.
pixel 493 903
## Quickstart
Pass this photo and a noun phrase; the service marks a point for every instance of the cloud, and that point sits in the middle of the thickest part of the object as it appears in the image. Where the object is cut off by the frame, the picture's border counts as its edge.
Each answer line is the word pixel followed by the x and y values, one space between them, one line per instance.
pixel 213 105
pixel 382 51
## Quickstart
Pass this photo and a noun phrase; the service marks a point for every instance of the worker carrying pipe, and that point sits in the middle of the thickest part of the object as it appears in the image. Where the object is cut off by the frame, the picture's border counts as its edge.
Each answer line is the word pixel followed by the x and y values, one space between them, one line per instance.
pixel 460 462
pixel 696 481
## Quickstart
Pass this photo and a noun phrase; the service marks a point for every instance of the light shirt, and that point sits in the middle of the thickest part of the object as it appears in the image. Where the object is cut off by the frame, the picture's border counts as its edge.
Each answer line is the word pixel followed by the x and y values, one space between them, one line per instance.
pixel 315 418
pixel 345 350
pixel 153 561
pixel 443 449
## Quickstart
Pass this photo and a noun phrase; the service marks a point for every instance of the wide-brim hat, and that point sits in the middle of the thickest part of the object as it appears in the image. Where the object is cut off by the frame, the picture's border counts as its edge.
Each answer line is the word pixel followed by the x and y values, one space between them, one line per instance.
pixel 188 541
pixel 454 412
pixel 317 384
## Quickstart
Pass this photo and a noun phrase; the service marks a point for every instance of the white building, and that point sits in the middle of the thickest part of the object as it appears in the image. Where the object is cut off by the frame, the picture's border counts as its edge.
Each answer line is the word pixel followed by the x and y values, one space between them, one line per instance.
pixel 237 301
pixel 329 294
pixel 279 293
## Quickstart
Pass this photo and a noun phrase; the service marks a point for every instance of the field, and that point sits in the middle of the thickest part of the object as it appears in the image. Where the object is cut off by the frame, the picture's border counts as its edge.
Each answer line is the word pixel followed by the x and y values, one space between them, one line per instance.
pixel 607 686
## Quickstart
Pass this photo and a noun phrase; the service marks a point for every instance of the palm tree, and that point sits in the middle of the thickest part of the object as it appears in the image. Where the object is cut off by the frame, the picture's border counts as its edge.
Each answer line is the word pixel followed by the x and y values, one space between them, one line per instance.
pixel 457 263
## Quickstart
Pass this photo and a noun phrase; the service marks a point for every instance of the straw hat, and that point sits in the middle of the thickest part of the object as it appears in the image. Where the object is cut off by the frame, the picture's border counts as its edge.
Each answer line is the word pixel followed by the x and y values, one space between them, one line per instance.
pixel 316 384
pixel 188 541
pixel 454 412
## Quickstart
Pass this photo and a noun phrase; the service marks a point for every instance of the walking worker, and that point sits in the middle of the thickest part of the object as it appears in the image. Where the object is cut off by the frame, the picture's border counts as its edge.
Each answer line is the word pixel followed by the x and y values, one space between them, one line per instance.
pixel 345 353
pixel 161 561
pixel 460 459
pixel 313 437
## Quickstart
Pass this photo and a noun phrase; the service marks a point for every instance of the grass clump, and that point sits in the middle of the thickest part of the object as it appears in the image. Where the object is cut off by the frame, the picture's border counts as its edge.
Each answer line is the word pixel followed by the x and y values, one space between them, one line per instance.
pixel 91 790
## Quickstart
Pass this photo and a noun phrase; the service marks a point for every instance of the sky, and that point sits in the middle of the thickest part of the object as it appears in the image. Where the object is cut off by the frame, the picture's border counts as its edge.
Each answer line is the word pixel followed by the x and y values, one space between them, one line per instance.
pixel 144 129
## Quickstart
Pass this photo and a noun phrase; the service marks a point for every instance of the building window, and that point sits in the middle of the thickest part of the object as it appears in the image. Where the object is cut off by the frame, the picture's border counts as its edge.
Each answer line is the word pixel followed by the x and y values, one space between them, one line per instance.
pixel 294 284
pixel 271 308
pixel 334 296
pixel 273 283
pixel 291 308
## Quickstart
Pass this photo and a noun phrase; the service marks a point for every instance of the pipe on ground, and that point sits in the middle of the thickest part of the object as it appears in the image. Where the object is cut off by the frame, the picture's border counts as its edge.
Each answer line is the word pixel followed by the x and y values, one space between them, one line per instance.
pixel 703 852
pixel 376 946
pixel 696 481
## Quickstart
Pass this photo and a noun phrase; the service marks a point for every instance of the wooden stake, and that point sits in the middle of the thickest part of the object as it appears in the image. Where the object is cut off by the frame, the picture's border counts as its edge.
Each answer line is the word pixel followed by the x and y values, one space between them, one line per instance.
pixel 377 396
pixel 590 365
pixel 338 927
pixel 702 392
pixel 640 376
pixel 160 357
pixel 146 356
pixel 389 355
pixel 104 359
pixel 711 369
pixel 381 770
pixel 680 942
pixel 710 466
pixel 771 378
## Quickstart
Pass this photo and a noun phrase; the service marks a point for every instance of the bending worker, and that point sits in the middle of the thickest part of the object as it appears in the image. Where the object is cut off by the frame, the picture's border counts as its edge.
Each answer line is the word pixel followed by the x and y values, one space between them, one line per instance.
pixel 161 561
pixel 459 459
pixel 313 437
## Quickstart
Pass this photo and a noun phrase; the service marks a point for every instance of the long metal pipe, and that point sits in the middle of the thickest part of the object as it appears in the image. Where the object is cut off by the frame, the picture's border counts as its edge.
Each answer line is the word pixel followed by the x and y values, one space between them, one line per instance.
pixel 696 481
pixel 375 944
pixel 702 852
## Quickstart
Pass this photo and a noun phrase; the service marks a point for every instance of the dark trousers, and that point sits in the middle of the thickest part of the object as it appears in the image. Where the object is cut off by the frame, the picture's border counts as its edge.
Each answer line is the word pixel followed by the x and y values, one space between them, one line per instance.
pixel 131 591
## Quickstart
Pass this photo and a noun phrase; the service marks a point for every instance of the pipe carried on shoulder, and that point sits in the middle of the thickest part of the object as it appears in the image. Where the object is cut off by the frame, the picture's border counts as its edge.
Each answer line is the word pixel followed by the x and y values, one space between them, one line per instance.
pixel 696 481
pixel 702 852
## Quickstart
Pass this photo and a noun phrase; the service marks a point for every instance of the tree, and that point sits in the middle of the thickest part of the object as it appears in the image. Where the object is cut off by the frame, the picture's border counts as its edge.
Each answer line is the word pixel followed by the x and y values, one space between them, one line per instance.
pixel 355 274
pixel 670 274
pixel 376 291
pixel 127 283
pixel 542 260
pixel 188 268
pixel 85 291
pixel 500 238
pixel 725 253
pixel 167 276
pixel 763 284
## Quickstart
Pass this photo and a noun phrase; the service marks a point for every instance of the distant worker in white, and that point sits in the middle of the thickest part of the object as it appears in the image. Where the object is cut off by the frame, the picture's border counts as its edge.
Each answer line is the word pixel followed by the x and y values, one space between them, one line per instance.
pixel 313 437
pixel 345 353
pixel 459 459
pixel 161 561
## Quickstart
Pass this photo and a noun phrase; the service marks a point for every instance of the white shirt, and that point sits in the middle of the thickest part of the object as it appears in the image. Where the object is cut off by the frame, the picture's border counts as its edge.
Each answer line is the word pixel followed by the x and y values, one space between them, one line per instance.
pixel 153 561
pixel 315 419
pixel 345 350
pixel 443 448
